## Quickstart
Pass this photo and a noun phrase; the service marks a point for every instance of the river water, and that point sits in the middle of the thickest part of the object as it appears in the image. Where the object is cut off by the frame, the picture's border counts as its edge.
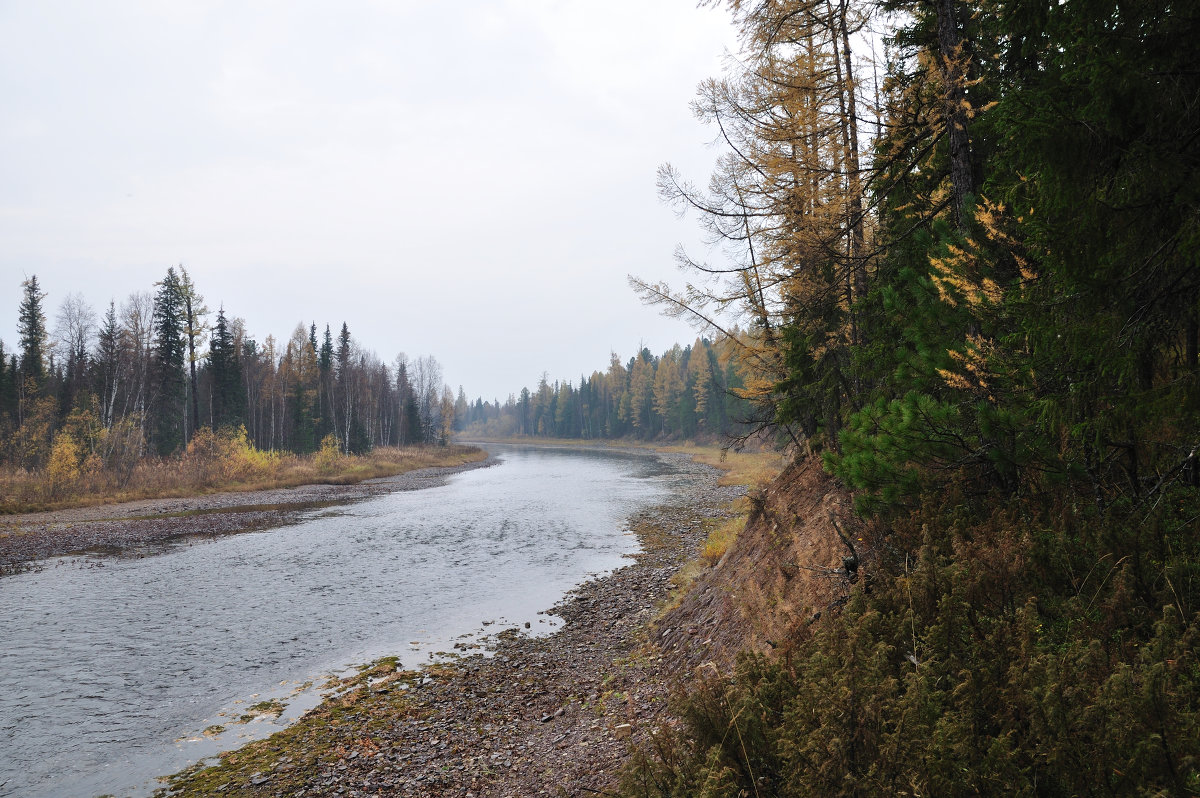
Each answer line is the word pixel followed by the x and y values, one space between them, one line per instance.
pixel 112 668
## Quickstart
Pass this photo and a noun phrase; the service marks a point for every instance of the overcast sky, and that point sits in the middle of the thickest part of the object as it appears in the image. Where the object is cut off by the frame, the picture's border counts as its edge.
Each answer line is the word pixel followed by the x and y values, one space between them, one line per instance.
pixel 472 180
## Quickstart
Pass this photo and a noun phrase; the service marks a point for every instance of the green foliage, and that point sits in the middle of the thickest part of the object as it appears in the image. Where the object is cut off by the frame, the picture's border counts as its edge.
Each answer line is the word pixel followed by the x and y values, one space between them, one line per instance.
pixel 1027 440
pixel 685 393
pixel 31 329
pixel 999 658
pixel 169 359
pixel 225 371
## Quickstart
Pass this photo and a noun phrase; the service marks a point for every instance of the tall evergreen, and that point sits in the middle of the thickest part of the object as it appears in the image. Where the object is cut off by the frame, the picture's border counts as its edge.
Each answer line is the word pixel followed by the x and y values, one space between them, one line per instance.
pixel 31 329
pixel 106 372
pixel 325 396
pixel 168 365
pixel 225 372
pixel 344 376
pixel 409 422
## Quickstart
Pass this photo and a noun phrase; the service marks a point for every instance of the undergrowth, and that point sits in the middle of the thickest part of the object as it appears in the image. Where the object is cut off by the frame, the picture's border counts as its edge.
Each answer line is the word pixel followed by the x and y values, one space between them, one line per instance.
pixel 213 462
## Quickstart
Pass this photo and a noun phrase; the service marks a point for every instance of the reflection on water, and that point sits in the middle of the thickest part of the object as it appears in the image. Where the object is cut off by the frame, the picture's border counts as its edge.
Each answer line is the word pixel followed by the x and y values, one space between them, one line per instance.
pixel 109 672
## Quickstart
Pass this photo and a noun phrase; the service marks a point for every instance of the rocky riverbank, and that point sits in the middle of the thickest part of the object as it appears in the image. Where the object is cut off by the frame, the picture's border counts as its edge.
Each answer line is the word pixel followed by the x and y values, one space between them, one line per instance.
pixel 550 715
pixel 130 528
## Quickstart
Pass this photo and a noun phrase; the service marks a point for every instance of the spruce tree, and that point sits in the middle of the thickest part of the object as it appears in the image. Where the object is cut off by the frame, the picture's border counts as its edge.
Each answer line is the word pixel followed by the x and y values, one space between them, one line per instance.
pixel 225 369
pixel 107 364
pixel 345 393
pixel 31 328
pixel 325 401
pixel 169 364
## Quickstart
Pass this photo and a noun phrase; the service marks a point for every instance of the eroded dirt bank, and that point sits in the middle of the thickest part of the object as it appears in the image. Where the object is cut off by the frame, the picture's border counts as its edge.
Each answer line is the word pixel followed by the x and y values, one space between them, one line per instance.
pixel 786 568
pixel 543 716
pixel 127 527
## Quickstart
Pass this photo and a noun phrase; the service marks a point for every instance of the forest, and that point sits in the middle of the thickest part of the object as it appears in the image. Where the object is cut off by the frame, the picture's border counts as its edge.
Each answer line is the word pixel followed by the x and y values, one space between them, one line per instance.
pixel 966 237
pixel 687 393
pixel 161 375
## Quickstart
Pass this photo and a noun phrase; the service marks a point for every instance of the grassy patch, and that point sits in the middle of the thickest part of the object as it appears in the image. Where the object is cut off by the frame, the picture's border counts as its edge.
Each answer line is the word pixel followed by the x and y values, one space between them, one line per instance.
pixel 272 708
pixel 214 470
pixel 752 469
pixel 720 538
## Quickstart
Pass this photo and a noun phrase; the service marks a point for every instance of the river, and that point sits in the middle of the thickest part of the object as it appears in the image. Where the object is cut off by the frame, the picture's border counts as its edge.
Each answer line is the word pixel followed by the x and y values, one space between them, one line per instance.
pixel 113 667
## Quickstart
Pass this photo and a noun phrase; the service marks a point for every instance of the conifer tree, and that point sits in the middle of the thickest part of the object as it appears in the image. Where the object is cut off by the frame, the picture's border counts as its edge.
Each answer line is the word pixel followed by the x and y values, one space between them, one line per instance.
pixel 225 369
pixel 108 364
pixel 194 313
pixel 345 387
pixel 31 331
pixel 325 395
pixel 168 365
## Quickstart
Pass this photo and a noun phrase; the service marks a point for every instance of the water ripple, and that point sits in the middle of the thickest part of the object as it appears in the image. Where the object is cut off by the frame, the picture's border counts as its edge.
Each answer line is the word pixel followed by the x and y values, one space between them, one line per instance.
pixel 103 670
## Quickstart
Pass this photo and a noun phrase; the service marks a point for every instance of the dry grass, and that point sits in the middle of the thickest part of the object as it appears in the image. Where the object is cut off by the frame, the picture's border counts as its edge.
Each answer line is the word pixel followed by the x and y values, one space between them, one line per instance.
pixel 755 470
pixel 720 538
pixel 214 465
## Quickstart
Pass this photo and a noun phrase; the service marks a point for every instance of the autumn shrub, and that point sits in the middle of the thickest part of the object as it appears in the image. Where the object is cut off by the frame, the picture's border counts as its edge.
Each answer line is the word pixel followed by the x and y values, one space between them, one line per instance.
pixel 222 460
pixel 119 449
pixel 30 443
pixel 327 457
pixel 225 456
pixel 63 468
pixel 246 461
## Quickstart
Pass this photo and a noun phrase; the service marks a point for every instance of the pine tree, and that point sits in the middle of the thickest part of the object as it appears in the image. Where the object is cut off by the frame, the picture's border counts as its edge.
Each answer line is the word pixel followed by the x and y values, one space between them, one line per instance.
pixel 108 364
pixel 325 412
pixel 225 369
pixel 345 387
pixel 168 366
pixel 31 329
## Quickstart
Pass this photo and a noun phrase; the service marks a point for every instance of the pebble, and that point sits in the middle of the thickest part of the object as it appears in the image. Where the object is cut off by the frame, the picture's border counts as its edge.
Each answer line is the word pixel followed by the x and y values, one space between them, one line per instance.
pixel 471 731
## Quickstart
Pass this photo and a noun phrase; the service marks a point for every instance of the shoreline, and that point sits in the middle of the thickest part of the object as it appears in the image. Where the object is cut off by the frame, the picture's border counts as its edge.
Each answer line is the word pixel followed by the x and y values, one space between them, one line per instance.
pixel 126 528
pixel 535 715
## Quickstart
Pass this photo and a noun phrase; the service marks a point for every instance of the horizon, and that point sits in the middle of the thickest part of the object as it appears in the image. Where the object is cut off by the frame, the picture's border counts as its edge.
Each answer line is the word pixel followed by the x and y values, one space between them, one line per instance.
pixel 482 204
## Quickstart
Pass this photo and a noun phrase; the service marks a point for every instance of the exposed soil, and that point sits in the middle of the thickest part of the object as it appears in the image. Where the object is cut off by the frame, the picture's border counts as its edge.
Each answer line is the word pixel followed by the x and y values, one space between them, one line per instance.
pixel 552 715
pixel 128 527
pixel 785 569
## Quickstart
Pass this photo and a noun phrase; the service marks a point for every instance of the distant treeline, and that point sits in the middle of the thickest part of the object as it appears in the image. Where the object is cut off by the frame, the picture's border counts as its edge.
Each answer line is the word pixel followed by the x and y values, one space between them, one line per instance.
pixel 686 392
pixel 144 376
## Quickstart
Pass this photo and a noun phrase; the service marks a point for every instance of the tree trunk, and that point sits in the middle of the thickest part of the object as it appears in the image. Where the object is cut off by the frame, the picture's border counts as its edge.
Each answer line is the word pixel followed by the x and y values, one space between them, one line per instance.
pixel 952 62
pixel 191 336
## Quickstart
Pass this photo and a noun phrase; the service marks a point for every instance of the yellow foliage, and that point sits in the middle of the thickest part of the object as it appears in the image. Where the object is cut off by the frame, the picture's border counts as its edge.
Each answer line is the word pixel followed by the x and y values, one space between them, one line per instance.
pixel 65 456
pixel 721 538
pixel 958 274
pixel 225 455
pixel 326 460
